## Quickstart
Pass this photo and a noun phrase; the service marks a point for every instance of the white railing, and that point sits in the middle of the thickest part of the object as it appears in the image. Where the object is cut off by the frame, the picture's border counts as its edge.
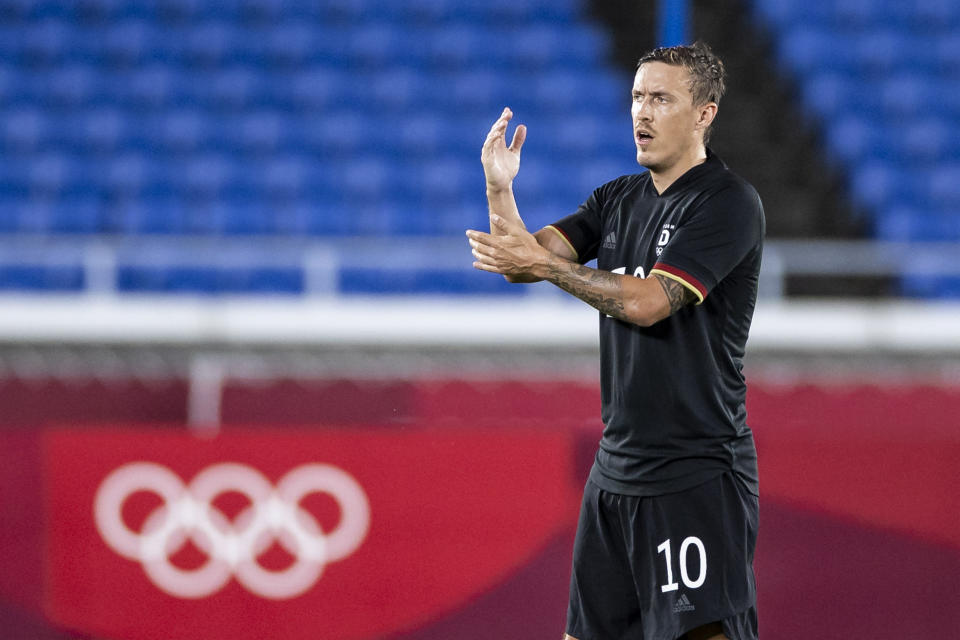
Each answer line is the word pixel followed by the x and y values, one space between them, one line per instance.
pixel 545 317
pixel 322 261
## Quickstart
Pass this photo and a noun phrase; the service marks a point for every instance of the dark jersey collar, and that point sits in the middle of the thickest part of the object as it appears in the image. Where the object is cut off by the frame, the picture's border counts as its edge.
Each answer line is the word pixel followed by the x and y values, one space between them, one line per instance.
pixel 712 163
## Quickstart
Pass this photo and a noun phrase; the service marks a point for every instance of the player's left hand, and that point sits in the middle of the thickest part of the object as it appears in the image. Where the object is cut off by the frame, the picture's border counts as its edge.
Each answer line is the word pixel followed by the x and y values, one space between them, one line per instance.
pixel 516 253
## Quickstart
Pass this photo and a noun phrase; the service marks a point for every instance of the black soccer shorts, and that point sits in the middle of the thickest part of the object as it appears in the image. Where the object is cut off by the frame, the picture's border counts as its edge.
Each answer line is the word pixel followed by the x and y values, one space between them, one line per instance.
pixel 653 568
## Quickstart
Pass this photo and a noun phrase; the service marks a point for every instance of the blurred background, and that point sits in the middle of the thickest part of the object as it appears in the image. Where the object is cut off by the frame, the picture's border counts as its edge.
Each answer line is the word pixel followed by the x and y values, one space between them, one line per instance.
pixel 232 232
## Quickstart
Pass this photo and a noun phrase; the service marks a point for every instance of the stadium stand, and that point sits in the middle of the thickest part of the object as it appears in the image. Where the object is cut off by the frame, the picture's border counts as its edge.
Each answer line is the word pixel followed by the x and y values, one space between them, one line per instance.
pixel 122 123
pixel 300 119
pixel 880 77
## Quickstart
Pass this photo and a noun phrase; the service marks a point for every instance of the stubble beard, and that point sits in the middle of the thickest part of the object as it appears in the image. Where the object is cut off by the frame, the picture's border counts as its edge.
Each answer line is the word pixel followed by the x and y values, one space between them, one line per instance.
pixel 647 162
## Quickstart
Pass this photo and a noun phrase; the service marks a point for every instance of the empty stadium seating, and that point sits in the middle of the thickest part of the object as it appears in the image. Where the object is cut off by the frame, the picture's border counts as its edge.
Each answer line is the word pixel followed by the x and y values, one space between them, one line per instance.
pixel 128 120
pixel 188 102
pixel 301 118
pixel 882 78
pixel 296 118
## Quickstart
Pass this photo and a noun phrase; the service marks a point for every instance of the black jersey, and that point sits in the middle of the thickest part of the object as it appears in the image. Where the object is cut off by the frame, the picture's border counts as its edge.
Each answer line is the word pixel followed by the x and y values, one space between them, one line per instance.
pixel 673 395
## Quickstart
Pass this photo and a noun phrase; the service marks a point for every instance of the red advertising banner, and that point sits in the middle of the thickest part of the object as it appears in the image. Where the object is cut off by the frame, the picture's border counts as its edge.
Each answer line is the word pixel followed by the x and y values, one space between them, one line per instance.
pixel 319 533
pixel 420 518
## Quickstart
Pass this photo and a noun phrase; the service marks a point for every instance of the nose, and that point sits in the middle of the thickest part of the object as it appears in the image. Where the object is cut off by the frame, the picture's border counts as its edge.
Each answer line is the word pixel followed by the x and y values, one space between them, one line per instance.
pixel 641 110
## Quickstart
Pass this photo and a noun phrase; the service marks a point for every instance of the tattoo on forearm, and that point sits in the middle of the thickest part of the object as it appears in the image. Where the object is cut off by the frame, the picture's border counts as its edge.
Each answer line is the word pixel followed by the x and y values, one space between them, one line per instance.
pixel 678 295
pixel 599 289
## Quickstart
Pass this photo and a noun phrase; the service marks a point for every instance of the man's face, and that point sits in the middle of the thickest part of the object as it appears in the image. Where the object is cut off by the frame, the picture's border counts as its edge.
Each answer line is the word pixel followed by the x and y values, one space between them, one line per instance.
pixel 664 118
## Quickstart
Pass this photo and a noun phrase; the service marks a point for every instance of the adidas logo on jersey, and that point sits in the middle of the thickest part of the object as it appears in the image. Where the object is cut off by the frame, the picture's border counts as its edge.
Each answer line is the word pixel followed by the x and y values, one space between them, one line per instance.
pixel 683 604
pixel 610 242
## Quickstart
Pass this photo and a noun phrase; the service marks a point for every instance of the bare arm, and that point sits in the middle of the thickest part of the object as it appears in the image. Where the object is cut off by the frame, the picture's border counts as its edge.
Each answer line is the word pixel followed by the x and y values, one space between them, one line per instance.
pixel 500 166
pixel 520 256
pixel 643 302
pixel 523 257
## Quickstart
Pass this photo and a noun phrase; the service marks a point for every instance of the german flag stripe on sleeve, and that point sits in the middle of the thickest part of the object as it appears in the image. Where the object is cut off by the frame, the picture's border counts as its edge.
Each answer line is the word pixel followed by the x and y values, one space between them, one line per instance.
pixel 566 240
pixel 683 278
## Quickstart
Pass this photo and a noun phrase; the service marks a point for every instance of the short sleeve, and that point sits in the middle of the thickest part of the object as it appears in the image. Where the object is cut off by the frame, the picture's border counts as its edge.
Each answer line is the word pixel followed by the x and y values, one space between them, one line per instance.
pixel 716 237
pixel 581 230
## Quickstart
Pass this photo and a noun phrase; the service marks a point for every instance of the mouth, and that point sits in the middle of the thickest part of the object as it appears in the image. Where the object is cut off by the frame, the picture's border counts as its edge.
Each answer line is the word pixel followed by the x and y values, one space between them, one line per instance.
pixel 642 137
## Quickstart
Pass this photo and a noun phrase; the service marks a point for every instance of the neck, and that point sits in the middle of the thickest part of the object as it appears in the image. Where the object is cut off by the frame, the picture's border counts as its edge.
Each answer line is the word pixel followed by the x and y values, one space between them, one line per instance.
pixel 662 179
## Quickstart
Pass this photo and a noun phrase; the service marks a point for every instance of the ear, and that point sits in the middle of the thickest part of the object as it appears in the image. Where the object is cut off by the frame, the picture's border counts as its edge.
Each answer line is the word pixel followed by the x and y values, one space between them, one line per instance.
pixel 706 115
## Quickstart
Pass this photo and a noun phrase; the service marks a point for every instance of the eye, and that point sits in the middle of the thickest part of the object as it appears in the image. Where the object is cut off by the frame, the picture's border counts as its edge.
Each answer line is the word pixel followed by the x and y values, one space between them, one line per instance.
pixel 662 99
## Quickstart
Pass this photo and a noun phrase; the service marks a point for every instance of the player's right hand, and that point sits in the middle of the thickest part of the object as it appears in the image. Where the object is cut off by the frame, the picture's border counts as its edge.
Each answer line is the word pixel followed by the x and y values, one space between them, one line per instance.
pixel 500 162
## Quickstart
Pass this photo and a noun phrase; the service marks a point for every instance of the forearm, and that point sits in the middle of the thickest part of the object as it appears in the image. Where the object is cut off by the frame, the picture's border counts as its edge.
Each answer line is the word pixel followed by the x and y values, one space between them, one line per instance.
pixel 602 290
pixel 502 203
pixel 622 297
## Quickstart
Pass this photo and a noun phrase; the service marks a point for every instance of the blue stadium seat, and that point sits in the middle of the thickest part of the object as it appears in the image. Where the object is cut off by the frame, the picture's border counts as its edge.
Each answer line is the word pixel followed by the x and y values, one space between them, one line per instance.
pixel 285 178
pixel 547 44
pixel 895 129
pixel 854 140
pixel 880 51
pixel 928 140
pixel 209 44
pixel 947 49
pixel 384 280
pixel 810 48
pixel 262 131
pixel 367 179
pixel 288 44
pixel 235 87
pixel 72 86
pixel 340 133
pixel 25 129
pixel 48 278
pixel 160 214
pixel 204 176
pixel 944 186
pixel 906 221
pixel 898 223
pixel 127 43
pixel 905 95
pixel 874 183
pixel 77 215
pixel 272 280
pixel 98 9
pixel 293 217
pixel 232 217
pixel 150 86
pixel 255 117
pixel 444 180
pixel 45 43
pixel 127 175
pixel 783 13
pixel 102 130
pixel 932 14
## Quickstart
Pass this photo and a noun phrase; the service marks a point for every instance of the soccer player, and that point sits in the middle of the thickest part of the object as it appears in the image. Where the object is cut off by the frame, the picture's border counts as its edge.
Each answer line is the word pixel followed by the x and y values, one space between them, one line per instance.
pixel 665 540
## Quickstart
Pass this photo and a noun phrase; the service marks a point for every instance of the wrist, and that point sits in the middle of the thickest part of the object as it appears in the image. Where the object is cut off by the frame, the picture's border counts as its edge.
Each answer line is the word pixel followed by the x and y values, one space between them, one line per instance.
pixel 545 266
pixel 499 190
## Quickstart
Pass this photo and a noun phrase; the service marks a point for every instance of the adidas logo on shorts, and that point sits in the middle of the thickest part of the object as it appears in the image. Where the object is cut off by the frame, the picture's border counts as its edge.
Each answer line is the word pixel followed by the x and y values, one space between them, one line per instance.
pixel 683 604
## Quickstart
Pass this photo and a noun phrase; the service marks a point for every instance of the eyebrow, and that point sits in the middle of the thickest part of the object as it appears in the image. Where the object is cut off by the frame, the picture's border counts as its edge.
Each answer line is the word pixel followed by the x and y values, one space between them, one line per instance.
pixel 652 93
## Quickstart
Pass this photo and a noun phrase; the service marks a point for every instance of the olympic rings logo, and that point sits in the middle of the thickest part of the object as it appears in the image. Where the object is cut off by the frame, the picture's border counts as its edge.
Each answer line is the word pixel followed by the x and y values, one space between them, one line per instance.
pixel 232 546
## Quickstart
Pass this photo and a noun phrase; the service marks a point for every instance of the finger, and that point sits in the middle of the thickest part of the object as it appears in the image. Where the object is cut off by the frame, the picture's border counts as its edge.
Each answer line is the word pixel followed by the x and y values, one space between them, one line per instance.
pixel 500 126
pixel 480 236
pixel 493 138
pixel 483 259
pixel 481 249
pixel 518 137
pixel 502 223
pixel 486 267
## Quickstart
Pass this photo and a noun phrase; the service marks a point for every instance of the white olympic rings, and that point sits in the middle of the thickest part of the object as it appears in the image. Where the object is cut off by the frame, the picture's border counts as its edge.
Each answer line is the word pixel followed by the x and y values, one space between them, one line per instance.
pixel 232 547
